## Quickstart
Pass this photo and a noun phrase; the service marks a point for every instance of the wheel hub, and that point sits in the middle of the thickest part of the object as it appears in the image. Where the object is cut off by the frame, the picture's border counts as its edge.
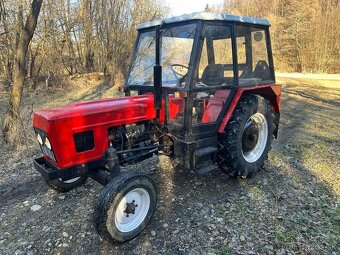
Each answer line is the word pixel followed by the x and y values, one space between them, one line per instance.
pixel 130 208
pixel 254 137
pixel 250 136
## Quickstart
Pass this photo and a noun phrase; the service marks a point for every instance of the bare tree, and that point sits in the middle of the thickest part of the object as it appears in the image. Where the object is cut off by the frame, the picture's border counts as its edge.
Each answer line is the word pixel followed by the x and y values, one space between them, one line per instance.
pixel 6 56
pixel 305 33
pixel 11 123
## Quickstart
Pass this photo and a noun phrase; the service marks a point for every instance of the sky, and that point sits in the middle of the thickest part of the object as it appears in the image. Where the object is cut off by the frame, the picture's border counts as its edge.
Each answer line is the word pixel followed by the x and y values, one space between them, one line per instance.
pixel 178 7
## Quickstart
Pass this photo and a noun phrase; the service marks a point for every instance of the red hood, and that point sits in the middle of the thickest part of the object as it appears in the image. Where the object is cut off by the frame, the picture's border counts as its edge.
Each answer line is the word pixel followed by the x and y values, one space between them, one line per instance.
pixel 62 123
pixel 96 107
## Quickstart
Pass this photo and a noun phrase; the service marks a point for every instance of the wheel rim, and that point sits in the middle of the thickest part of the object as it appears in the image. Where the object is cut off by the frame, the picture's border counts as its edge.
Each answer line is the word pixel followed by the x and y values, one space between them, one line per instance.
pixel 70 180
pixel 254 138
pixel 132 210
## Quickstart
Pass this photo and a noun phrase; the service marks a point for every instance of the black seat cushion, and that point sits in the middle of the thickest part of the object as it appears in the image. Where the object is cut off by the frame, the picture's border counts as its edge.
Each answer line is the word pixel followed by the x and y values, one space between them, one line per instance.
pixel 262 71
pixel 213 75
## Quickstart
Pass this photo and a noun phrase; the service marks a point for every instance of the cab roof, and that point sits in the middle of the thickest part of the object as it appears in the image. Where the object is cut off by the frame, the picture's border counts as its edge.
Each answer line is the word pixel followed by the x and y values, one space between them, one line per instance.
pixel 204 16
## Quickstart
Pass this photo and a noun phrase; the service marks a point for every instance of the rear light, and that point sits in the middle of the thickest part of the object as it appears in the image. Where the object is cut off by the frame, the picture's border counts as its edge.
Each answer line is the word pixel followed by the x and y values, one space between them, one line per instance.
pixel 45 144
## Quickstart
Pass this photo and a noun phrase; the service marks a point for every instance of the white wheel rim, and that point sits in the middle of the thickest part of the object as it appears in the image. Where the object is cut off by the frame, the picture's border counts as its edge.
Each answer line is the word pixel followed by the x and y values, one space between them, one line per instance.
pixel 125 221
pixel 254 154
pixel 70 180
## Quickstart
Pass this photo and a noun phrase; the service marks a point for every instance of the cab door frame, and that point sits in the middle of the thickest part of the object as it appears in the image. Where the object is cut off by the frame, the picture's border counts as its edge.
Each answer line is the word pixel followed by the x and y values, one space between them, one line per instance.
pixel 204 130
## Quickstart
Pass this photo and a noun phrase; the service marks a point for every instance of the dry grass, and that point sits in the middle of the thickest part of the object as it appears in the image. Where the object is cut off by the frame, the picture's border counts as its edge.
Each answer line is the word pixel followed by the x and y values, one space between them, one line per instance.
pixel 319 135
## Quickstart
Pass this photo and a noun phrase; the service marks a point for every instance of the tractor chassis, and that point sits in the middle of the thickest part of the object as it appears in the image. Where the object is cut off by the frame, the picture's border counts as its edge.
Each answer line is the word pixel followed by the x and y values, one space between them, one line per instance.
pixel 102 170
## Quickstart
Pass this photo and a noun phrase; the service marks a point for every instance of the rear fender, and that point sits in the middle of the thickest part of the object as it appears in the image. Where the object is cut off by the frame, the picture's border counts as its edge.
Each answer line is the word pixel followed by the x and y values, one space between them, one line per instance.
pixel 271 92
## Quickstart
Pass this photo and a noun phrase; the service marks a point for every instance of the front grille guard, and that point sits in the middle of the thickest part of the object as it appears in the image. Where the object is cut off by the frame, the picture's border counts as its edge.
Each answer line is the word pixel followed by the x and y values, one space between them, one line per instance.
pixel 46 151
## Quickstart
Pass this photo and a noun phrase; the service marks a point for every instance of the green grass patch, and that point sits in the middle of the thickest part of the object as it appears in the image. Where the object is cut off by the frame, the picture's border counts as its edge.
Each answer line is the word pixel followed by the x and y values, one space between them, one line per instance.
pixel 225 250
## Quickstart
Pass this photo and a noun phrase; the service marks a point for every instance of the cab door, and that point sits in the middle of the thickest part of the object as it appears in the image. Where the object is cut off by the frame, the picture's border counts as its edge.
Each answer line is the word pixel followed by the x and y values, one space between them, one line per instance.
pixel 214 85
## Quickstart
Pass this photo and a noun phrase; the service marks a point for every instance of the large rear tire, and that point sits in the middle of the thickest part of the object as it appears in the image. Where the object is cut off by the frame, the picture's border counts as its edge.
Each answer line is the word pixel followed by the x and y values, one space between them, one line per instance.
pixel 124 207
pixel 246 141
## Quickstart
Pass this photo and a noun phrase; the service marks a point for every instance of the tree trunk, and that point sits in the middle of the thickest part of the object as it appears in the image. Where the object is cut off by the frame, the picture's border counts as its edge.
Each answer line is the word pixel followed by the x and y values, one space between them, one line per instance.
pixel 12 122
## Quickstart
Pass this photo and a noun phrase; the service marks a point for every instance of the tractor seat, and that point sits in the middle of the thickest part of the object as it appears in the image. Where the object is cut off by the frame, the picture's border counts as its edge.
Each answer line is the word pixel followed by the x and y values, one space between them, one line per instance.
pixel 214 107
pixel 262 71
pixel 213 75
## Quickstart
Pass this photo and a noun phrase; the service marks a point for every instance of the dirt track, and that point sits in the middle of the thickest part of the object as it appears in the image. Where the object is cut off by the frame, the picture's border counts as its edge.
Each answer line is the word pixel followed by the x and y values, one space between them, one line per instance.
pixel 291 207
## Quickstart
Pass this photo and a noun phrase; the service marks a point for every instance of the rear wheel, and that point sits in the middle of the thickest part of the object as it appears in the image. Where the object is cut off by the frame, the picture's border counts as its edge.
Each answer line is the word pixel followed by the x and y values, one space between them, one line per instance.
pixel 125 206
pixel 62 185
pixel 245 144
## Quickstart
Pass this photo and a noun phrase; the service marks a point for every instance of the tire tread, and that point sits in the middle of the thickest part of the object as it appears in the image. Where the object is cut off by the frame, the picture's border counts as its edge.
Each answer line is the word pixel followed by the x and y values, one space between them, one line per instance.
pixel 228 158
pixel 106 197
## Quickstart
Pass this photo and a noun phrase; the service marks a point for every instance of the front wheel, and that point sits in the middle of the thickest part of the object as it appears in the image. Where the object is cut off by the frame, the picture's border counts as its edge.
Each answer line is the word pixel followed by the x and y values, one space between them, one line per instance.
pixel 125 206
pixel 246 141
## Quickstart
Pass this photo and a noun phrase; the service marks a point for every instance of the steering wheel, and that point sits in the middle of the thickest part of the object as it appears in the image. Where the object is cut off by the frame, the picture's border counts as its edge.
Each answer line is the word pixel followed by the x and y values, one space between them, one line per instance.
pixel 177 73
pixel 180 76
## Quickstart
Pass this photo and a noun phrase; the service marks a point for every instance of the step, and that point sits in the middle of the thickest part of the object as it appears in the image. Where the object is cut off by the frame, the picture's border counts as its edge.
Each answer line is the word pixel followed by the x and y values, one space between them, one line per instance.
pixel 205 151
pixel 206 169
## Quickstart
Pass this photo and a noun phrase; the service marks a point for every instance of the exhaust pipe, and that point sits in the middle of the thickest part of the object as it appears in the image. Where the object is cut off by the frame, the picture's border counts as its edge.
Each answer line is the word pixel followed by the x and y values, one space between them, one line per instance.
pixel 157 76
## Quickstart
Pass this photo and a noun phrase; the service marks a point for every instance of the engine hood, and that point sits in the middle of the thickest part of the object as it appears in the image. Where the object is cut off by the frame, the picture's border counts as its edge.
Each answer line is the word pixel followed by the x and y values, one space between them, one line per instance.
pixel 61 124
pixel 142 104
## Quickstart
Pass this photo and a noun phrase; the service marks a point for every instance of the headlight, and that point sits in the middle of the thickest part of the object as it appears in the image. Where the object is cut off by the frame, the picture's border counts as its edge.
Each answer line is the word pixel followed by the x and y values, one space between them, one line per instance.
pixel 47 143
pixel 39 139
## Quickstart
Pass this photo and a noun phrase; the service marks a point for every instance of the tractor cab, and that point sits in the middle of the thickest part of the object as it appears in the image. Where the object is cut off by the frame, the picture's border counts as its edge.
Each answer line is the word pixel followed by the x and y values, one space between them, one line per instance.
pixel 195 65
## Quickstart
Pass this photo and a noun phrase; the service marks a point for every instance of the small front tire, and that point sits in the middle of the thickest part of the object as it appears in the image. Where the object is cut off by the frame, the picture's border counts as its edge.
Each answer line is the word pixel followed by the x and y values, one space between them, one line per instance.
pixel 124 207
pixel 67 185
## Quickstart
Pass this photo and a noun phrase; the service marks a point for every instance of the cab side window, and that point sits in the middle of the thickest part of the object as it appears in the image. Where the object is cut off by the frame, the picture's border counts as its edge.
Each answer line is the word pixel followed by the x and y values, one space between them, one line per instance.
pixel 216 62
pixel 252 56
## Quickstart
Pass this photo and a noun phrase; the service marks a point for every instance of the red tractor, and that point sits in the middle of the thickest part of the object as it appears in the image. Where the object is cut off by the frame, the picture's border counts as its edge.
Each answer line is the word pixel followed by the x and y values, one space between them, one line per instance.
pixel 200 89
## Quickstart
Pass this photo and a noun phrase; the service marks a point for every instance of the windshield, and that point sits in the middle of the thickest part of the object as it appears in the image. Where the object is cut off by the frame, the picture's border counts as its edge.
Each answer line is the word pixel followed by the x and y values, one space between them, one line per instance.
pixel 176 47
